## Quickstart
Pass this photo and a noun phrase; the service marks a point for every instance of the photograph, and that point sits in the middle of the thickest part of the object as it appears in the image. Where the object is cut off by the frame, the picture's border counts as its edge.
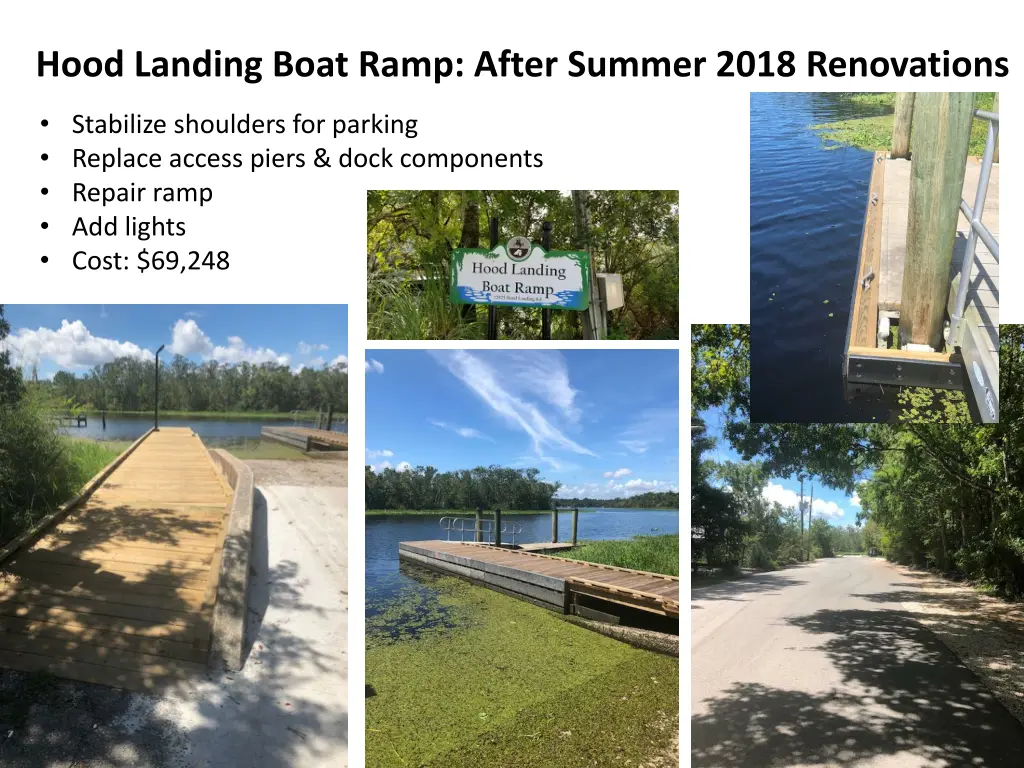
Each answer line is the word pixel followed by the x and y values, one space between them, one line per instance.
pixel 522 264
pixel 522 558
pixel 173 534
pixel 855 589
pixel 866 210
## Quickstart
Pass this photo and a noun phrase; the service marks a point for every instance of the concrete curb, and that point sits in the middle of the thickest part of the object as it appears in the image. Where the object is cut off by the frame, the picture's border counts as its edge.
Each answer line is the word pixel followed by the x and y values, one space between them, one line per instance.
pixel 37 530
pixel 227 646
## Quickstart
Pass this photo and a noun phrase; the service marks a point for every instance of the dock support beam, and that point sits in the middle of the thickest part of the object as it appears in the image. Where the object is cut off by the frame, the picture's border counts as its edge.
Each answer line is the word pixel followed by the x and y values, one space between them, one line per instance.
pixel 902 119
pixel 575 523
pixel 941 134
pixel 497 527
pixel 554 526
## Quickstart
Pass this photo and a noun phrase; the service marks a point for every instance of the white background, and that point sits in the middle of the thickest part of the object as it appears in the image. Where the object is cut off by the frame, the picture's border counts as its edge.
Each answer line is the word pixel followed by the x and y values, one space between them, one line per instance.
pixel 298 236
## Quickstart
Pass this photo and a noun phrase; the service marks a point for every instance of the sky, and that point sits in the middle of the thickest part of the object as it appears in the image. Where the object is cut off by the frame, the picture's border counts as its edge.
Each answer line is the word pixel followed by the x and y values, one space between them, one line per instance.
pixel 604 423
pixel 833 506
pixel 77 338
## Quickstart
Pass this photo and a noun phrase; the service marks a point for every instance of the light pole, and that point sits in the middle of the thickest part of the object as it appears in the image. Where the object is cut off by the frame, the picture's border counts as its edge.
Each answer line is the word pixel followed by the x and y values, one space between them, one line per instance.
pixel 156 387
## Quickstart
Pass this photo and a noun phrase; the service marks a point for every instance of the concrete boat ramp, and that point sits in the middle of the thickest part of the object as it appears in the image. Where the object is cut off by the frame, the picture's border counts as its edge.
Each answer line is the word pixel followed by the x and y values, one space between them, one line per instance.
pixel 559 584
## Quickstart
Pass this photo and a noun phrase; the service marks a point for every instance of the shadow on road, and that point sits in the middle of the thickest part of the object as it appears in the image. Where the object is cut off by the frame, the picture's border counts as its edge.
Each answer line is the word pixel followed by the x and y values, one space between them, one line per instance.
pixel 742 589
pixel 918 700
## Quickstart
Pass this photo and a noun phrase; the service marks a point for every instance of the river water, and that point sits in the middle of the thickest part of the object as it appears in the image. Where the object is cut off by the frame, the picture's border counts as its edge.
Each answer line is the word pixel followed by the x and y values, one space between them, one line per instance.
pixel 385 583
pixel 807 205
pixel 213 431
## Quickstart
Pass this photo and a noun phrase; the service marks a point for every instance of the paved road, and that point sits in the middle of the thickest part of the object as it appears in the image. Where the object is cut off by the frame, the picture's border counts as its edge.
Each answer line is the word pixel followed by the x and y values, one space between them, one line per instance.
pixel 820 666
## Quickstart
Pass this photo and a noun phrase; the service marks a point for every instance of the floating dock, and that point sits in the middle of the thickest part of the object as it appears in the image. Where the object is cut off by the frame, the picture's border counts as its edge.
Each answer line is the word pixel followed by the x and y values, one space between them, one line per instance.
pixel 306 439
pixel 121 590
pixel 879 284
pixel 559 584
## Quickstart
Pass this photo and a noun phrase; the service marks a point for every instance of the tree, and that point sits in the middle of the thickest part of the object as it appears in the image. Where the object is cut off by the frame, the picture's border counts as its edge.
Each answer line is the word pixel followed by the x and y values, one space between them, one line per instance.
pixel 10 377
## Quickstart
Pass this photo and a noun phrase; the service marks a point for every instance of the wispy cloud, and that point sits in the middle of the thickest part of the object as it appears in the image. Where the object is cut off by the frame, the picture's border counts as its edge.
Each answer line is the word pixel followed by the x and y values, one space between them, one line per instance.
pixel 467 432
pixel 385 453
pixel 650 427
pixel 305 349
pixel 374 366
pixel 618 473
pixel 509 390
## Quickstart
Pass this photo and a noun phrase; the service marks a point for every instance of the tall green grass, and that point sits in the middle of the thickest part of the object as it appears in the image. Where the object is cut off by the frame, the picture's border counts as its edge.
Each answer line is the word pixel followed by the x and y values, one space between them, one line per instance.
pixel 39 468
pixel 400 309
pixel 657 554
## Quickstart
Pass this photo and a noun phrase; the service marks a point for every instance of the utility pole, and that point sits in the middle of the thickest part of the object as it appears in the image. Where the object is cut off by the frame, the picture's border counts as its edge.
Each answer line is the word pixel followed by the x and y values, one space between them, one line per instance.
pixel 156 390
pixel 801 477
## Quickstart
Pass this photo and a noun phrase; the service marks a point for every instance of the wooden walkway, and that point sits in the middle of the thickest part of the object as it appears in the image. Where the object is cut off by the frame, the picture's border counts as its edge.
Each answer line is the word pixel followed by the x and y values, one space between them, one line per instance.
pixel 121 591
pixel 553 582
pixel 307 439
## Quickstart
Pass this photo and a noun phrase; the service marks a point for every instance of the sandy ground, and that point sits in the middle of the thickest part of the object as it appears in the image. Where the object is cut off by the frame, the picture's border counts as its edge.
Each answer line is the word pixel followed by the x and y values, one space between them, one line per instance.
pixel 330 469
pixel 287 707
pixel 825 665
pixel 987 634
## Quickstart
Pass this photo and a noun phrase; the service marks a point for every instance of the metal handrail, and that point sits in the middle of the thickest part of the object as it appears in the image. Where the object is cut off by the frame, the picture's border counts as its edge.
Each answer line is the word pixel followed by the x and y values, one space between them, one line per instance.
pixel 978 229
pixel 468 525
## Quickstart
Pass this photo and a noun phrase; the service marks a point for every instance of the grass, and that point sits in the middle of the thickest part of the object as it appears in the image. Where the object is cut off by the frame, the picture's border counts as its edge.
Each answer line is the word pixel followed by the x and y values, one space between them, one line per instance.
pixel 515 685
pixel 454 512
pixel 265 449
pixel 875 133
pixel 90 456
pixel 656 554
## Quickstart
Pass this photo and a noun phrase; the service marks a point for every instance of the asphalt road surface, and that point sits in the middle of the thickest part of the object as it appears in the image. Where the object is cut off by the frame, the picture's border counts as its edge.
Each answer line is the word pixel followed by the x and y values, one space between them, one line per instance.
pixel 820 665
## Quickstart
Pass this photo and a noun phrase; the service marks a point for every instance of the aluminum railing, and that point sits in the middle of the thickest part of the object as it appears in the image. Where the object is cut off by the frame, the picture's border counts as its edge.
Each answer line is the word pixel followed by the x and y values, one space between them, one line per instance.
pixel 466 528
pixel 978 230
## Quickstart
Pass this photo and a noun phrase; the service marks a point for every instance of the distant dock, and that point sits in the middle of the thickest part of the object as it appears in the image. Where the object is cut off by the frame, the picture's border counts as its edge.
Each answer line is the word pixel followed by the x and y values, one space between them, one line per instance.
pixel 567 586
pixel 306 439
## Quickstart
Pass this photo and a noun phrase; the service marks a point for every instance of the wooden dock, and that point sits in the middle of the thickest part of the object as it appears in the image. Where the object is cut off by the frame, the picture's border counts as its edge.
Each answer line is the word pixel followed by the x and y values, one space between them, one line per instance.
pixel 306 439
pixel 560 584
pixel 879 284
pixel 121 590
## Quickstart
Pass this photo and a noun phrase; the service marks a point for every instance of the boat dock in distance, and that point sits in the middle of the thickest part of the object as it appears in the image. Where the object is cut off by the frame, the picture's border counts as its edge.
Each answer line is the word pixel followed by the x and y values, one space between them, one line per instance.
pixel 567 586
pixel 307 439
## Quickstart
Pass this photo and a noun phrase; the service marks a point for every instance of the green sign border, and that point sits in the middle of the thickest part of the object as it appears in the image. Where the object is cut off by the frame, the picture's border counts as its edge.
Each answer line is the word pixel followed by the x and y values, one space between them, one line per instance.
pixel 458 254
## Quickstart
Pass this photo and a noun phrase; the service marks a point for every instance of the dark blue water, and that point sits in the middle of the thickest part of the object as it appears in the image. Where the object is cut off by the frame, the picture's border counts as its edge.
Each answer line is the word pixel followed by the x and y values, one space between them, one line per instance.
pixel 385 583
pixel 213 431
pixel 807 205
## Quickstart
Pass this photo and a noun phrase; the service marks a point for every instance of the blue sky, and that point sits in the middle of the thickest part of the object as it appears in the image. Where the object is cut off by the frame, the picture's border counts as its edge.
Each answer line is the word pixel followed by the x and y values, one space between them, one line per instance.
pixel 834 506
pixel 76 338
pixel 604 423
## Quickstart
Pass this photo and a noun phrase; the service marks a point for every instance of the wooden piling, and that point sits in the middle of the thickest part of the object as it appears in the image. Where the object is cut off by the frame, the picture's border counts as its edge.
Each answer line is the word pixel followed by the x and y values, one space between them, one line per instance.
pixel 575 523
pixel 497 527
pixel 330 417
pixel 902 120
pixel 554 526
pixel 478 535
pixel 941 134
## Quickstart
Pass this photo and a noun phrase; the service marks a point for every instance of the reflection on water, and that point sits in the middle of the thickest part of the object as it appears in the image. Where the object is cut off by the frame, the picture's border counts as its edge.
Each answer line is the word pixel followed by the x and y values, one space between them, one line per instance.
pixel 402 601
pixel 807 206
pixel 213 431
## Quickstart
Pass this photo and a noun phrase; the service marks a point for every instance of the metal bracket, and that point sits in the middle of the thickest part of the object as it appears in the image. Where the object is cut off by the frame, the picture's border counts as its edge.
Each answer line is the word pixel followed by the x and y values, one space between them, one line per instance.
pixel 905 372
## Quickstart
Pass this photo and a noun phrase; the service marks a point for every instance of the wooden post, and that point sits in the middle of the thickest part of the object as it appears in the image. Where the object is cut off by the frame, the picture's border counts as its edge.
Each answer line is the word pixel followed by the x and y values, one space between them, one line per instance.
pixel 995 108
pixel 330 417
pixel 902 119
pixel 479 535
pixel 103 416
pixel 575 523
pixel 497 527
pixel 554 525
pixel 941 134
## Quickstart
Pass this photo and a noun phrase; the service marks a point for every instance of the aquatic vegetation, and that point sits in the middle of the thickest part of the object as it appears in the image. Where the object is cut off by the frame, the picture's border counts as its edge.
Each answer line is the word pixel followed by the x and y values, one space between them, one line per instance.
pixel 512 684
pixel 656 554
pixel 937 406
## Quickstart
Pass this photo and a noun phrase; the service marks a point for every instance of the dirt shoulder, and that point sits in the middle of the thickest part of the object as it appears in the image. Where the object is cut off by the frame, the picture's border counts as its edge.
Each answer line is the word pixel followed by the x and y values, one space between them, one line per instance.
pixel 986 633
pixel 330 470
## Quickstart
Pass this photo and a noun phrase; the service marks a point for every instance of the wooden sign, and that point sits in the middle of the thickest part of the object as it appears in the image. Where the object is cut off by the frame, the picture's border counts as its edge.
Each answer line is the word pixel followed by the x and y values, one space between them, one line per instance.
pixel 520 274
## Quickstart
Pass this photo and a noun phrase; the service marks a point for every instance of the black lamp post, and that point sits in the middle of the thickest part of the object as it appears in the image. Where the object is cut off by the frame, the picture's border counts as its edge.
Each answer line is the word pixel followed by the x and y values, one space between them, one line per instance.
pixel 156 398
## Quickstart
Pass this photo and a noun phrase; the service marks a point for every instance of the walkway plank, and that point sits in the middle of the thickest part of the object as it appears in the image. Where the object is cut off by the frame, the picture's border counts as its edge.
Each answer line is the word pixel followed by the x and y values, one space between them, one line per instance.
pixel 121 591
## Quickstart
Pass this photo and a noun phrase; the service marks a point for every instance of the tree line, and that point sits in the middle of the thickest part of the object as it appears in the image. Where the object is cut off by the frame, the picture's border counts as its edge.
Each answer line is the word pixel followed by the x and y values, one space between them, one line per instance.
pixel 411 233
pixel 647 500
pixel 949 496
pixel 427 488
pixel 127 384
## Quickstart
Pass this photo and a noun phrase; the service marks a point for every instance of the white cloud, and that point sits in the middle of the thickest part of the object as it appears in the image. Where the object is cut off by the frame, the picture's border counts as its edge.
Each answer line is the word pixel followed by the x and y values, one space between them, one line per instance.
pixel 506 393
pixel 374 366
pixel 341 360
pixel 618 473
pixel 384 453
pixel 467 432
pixel 791 499
pixel 403 466
pixel 188 339
pixel 381 467
pixel 70 346
pixel 305 349
pixel 855 501
pixel 613 490
pixel 636 446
